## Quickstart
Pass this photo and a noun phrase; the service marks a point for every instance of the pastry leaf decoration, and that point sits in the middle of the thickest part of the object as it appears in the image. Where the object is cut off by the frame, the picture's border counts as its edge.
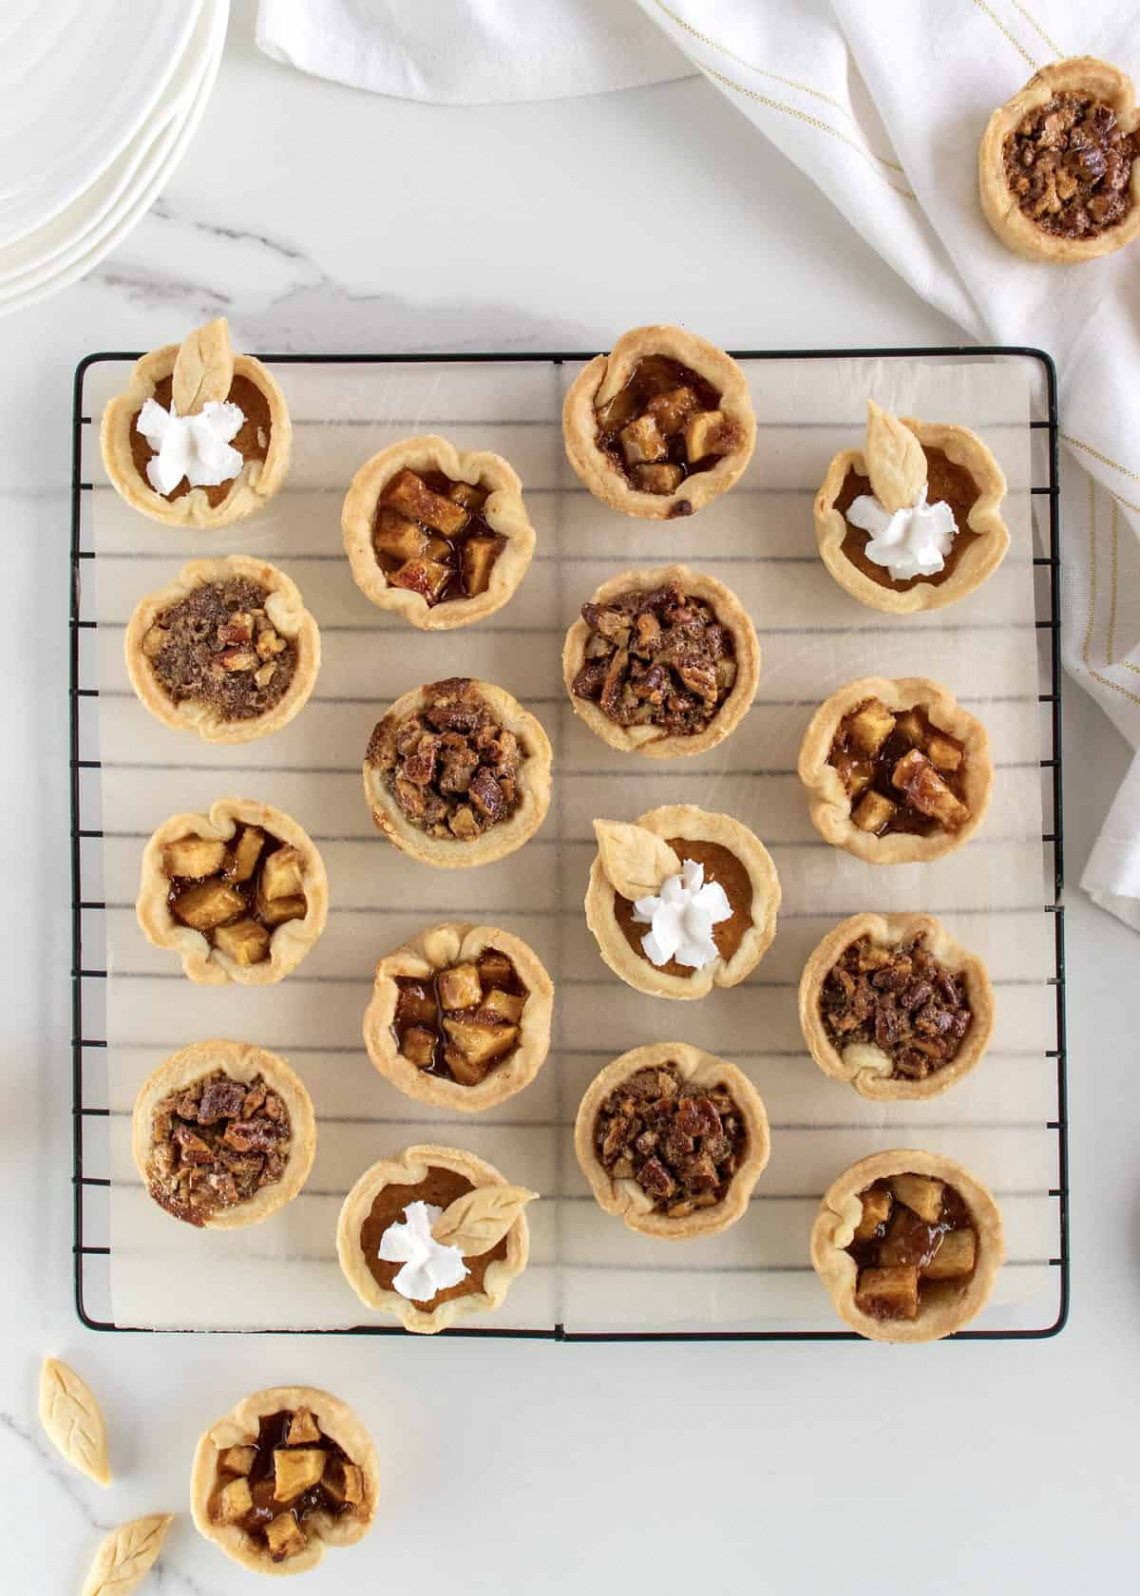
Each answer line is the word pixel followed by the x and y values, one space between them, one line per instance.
pixel 896 464
pixel 204 368
pixel 636 861
pixel 481 1218
pixel 126 1556
pixel 70 1415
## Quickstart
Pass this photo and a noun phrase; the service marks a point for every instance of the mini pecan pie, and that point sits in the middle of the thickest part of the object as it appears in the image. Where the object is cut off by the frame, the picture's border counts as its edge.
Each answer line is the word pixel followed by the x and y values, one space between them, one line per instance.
pixel 662 663
pixel 908 1245
pixel 1058 171
pixel 288 1472
pixel 895 771
pixel 223 1134
pixel 661 425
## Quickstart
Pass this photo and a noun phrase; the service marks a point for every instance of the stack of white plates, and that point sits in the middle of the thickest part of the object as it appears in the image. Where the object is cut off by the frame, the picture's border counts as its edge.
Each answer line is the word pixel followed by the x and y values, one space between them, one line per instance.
pixel 98 99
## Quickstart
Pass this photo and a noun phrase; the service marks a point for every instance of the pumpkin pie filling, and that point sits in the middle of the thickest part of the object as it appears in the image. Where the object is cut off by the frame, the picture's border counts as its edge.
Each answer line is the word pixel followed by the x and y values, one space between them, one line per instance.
pixel 720 865
pixel 251 441
pixel 439 1188
pixel 666 424
pixel 429 536
pixel 946 481
pixel 900 1000
pixel 235 893
pixel 218 647
pixel 1068 164
pixel 215 1144
pixel 463 1021
pixel 901 773
pixel 915 1240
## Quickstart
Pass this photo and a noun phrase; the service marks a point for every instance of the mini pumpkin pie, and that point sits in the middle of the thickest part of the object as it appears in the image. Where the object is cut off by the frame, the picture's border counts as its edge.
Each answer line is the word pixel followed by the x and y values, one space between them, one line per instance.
pixel 673 1139
pixel 457 773
pixel 662 663
pixel 892 1005
pixel 442 538
pixel 681 901
pixel 1058 173
pixel 460 1016
pixel 661 425
pixel 913 522
pixel 228 650
pixel 288 1472
pixel 223 1134
pixel 908 1245
pixel 896 771
pixel 201 437
pixel 433 1235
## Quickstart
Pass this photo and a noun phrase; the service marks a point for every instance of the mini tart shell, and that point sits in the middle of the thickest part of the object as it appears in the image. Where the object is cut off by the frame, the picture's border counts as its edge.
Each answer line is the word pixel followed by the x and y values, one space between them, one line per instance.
pixel 828 801
pixel 834 1228
pixel 242 1062
pixel 504 512
pixel 650 741
pixel 606 375
pixel 872 1079
pixel 252 488
pixel 408 1169
pixel 978 561
pixel 439 948
pixel 501 839
pixel 697 825
pixel 1082 74
pixel 240 1426
pixel 625 1197
pixel 285 609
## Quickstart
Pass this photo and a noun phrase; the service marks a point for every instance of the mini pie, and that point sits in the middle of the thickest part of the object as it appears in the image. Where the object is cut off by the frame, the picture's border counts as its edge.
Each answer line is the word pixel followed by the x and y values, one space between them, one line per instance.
pixel 896 771
pixel 241 893
pixel 673 1139
pixel 633 862
pixel 661 425
pixel 908 1245
pixel 228 650
pixel 1058 173
pixel 223 1134
pixel 442 538
pixel 460 1016
pixel 287 1472
pixel 440 1176
pixel 901 461
pixel 662 663
pixel 457 773
pixel 893 1006
pixel 200 371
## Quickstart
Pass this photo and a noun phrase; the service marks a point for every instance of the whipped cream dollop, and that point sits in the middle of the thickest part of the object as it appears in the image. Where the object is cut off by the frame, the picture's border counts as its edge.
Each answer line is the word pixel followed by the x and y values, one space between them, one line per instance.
pixel 912 542
pixel 681 918
pixel 429 1266
pixel 195 447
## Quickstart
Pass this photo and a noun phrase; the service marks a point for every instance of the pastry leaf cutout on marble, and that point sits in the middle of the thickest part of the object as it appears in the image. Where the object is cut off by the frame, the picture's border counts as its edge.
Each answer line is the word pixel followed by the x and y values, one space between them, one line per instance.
pixel 896 463
pixel 480 1219
pixel 71 1418
pixel 126 1556
pixel 636 861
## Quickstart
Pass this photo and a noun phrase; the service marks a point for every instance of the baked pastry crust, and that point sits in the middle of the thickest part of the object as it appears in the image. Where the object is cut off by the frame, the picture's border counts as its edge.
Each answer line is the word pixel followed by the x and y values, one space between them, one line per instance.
pixel 626 1197
pixel 409 1168
pixel 606 375
pixel 441 947
pixel 1083 74
pixel 241 1062
pixel 504 512
pixel 698 825
pixel 651 741
pixel 240 1426
pixel 202 962
pixel 871 1077
pixel 834 1228
pixel 829 803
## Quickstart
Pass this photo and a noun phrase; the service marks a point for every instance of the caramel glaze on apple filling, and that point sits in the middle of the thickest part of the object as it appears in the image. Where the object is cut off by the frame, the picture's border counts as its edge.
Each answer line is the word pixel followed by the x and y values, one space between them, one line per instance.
pixel 915 1240
pixel 235 893
pixel 900 771
pixel 1069 165
pixel 214 1144
pixel 218 647
pixel 430 537
pixel 901 1000
pixel 463 1021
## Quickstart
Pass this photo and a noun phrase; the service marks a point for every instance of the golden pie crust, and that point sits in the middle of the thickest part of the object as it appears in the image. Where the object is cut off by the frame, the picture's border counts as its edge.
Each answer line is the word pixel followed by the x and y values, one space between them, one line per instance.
pixel 408 1169
pixel 606 375
pixel 240 1426
pixel 1077 75
pixel 504 512
pixel 829 803
pixel 953 1305
pixel 866 1067
pixel 626 1197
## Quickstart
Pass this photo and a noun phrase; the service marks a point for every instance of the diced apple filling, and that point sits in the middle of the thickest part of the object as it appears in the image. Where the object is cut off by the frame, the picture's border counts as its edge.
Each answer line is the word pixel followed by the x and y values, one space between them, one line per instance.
pixel 233 1501
pixel 284 1537
pixel 873 812
pixel 888 1293
pixel 921 1193
pixel 409 494
pixel 193 857
pixel 297 1469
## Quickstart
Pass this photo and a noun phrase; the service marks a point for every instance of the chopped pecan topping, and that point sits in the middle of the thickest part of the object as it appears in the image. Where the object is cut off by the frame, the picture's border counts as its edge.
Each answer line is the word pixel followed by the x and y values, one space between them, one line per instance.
pixel 1069 164
pixel 430 536
pixel 464 1020
pixel 900 1000
pixel 900 771
pixel 273 1485
pixel 214 1144
pixel 913 1229
pixel 664 425
pixel 217 646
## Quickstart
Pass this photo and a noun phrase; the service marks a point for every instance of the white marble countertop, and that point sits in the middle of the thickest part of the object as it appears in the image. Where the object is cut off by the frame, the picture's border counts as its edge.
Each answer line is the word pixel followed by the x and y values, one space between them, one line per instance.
pixel 321 219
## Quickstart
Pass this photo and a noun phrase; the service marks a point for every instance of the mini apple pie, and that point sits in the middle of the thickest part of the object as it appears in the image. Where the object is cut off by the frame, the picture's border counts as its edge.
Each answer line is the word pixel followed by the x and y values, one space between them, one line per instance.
pixel 896 771
pixel 228 650
pixel 662 663
pixel 288 1472
pixel 908 1245
pixel 201 437
pixel 433 1235
pixel 1058 167
pixel 661 425
pixel 223 1134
